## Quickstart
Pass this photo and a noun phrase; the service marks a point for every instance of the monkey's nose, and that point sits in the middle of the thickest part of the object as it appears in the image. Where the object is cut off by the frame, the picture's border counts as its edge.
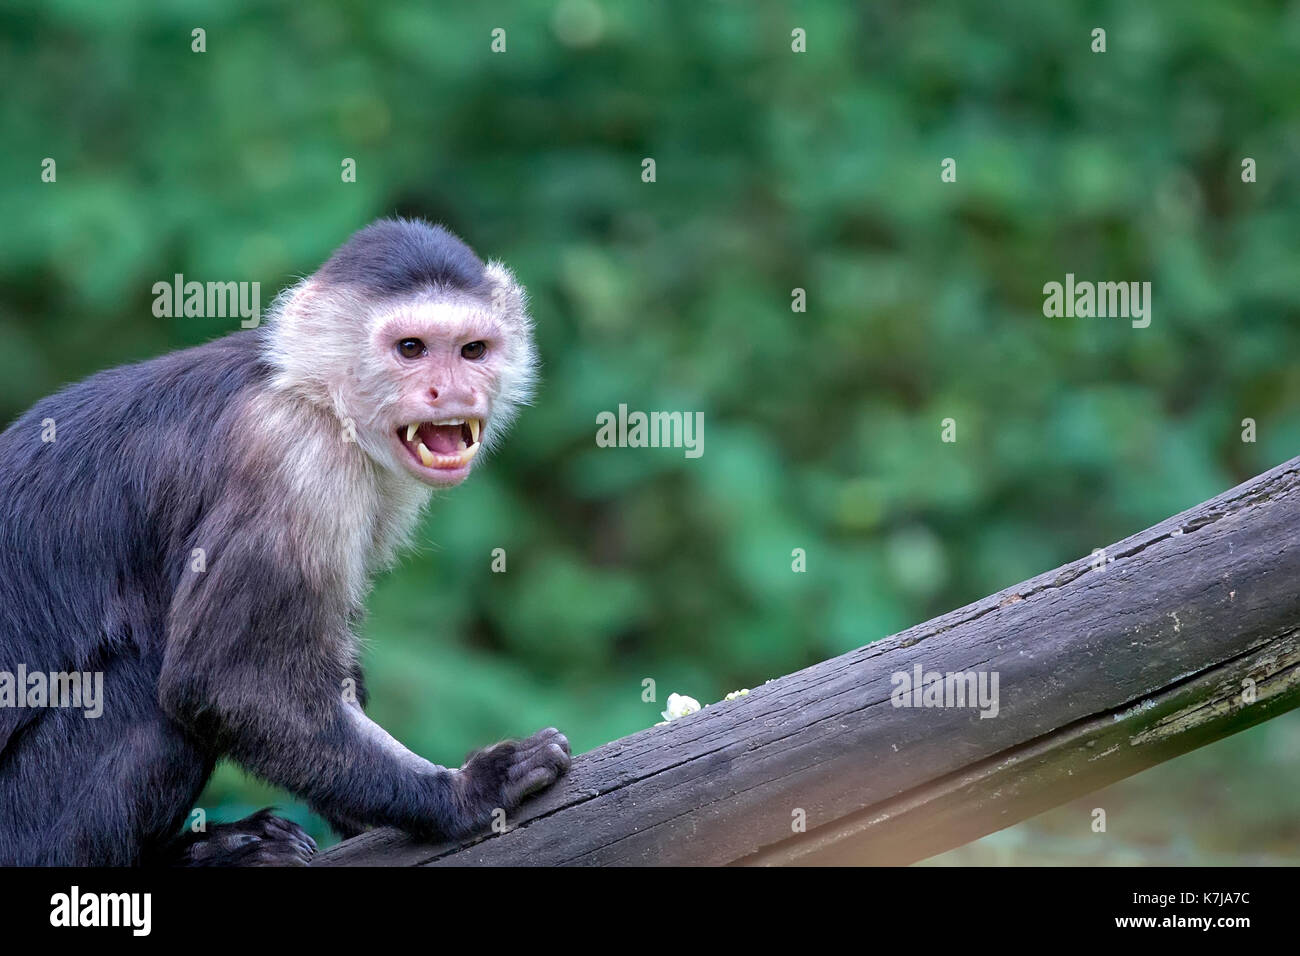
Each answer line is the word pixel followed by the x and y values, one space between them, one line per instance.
pixel 433 394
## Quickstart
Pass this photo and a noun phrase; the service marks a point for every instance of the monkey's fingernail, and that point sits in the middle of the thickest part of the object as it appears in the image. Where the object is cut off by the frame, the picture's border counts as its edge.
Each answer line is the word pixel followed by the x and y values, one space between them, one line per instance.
pixel 426 456
pixel 474 425
pixel 410 433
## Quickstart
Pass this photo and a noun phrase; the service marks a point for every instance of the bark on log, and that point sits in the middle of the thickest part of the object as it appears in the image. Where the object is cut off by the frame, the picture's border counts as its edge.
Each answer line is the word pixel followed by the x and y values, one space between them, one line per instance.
pixel 1185 633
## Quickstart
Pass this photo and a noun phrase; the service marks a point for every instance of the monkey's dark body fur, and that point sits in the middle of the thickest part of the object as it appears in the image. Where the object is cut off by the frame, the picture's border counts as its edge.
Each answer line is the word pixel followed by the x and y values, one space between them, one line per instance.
pixel 96 537
pixel 97 532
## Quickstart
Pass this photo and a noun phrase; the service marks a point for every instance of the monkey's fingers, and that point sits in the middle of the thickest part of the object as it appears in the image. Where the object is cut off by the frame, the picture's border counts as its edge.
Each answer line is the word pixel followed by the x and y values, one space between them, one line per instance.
pixel 543 738
pixel 536 780
pixel 536 771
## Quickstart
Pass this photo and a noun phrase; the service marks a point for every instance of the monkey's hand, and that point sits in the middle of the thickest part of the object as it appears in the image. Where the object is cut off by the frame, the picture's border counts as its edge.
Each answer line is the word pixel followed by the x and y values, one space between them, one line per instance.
pixel 260 840
pixel 501 776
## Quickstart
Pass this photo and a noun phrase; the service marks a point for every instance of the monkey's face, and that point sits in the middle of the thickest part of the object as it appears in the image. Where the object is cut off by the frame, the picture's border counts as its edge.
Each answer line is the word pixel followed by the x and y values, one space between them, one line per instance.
pixel 450 370
pixel 425 382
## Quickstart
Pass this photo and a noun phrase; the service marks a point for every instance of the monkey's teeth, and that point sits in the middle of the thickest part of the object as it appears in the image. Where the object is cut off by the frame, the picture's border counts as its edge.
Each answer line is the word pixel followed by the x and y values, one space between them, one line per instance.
pixel 460 459
pixel 463 454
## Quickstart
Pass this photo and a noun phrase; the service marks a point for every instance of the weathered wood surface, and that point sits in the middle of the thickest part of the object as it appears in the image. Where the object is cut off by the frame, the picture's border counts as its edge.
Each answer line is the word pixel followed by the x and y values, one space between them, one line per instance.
pixel 1103 671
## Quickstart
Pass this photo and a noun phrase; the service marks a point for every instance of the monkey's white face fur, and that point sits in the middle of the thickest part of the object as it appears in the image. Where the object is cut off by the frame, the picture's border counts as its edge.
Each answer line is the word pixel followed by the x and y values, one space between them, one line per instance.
pixel 422 383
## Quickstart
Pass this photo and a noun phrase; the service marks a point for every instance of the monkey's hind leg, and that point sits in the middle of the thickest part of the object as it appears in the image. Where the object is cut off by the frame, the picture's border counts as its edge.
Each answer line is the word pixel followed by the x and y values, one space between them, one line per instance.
pixel 260 840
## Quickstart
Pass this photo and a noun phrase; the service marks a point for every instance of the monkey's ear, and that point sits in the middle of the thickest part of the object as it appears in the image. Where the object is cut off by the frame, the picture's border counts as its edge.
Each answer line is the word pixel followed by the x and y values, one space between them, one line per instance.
pixel 509 299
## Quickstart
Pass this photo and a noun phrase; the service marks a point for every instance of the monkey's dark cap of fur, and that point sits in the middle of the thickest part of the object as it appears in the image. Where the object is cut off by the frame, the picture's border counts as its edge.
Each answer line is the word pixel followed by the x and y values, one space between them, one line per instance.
pixel 400 256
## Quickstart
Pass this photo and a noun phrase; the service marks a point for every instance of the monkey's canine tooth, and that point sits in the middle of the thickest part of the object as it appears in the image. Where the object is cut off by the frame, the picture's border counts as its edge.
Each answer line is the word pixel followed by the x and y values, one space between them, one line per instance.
pixel 426 456
pixel 410 431
pixel 474 425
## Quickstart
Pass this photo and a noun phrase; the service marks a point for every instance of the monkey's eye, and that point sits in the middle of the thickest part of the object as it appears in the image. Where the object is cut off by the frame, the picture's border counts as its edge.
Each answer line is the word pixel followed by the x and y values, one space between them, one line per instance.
pixel 474 350
pixel 410 348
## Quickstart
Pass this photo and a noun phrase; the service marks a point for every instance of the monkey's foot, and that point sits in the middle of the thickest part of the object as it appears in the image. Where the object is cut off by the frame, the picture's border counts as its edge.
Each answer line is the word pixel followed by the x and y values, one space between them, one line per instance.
pixel 260 840
pixel 501 776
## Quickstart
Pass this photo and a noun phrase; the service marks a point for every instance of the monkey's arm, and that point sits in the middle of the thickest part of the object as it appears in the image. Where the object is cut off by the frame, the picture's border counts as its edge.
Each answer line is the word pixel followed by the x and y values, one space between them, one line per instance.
pixel 257 657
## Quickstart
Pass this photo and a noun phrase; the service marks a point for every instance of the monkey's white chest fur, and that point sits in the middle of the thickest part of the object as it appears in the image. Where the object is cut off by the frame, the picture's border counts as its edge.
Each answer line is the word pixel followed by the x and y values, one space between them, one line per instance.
pixel 345 517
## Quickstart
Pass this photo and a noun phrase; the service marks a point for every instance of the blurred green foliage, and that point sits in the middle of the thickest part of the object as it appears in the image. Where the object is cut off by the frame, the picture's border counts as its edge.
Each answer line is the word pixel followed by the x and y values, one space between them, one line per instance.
pixel 775 170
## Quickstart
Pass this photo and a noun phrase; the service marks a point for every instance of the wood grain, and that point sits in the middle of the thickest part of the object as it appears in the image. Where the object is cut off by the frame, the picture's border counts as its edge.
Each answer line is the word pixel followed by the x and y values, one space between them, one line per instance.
pixel 1186 632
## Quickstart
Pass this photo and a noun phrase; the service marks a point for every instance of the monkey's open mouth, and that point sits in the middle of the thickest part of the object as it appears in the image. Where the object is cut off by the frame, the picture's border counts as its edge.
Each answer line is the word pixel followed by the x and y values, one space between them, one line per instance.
pixel 446 444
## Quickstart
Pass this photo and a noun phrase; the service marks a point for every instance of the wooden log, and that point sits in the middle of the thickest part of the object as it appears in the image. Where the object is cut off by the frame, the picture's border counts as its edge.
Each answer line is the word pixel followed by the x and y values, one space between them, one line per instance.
pixel 1172 638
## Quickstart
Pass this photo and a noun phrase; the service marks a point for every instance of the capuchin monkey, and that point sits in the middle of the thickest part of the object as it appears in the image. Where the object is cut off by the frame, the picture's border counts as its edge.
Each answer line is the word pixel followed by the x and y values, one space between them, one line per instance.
pixel 202 531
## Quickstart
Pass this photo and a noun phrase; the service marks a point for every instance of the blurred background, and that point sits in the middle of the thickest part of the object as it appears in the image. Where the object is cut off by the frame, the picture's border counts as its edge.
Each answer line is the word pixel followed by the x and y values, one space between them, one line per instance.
pixel 775 170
